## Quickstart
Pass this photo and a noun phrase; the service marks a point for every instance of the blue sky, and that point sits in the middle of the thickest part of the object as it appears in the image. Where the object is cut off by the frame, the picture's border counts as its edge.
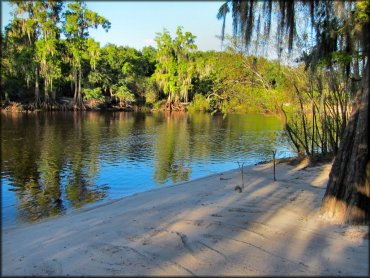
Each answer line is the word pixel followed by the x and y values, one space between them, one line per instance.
pixel 135 23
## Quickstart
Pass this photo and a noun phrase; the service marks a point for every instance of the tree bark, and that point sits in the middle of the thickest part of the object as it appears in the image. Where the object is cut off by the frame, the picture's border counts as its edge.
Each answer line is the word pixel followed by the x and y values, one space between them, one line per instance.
pixel 77 98
pixel 53 92
pixel 37 88
pixel 347 194
pixel 169 102
pixel 75 87
pixel 46 93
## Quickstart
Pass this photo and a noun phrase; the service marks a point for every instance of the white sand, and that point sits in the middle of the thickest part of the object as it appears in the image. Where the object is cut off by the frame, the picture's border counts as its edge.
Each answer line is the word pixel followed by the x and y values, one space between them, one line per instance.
pixel 203 227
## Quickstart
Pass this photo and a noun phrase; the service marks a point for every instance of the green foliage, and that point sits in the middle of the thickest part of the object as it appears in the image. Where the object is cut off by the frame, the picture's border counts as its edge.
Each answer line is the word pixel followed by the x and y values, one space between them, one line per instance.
pixel 122 66
pixel 76 65
pixel 93 52
pixel 200 103
pixel 149 60
pixel 363 10
pixel 158 104
pixel 175 68
pixel 78 21
pixel 123 94
pixel 151 92
pixel 234 82
pixel 32 47
pixel 93 94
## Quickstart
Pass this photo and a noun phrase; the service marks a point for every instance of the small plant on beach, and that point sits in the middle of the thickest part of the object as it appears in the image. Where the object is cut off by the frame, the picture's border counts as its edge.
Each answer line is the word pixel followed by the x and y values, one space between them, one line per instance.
pixel 241 168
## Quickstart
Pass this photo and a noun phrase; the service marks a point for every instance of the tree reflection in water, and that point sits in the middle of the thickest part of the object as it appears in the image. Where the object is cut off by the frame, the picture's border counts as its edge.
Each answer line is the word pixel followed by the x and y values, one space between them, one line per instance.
pixel 54 162
pixel 172 150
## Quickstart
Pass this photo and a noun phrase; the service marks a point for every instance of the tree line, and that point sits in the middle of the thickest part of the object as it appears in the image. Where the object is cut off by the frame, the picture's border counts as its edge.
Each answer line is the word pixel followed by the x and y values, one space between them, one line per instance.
pixel 49 61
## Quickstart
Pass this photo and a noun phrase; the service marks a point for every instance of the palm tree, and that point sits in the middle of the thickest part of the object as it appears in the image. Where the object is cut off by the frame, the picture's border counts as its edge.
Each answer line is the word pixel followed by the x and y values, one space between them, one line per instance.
pixel 337 26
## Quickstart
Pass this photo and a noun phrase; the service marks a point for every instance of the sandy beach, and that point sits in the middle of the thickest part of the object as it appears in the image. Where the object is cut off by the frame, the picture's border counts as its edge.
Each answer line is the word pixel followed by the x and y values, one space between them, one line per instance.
pixel 202 227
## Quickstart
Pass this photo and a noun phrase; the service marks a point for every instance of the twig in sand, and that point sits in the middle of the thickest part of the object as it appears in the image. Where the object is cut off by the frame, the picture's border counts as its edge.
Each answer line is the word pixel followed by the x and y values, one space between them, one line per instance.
pixel 241 168
pixel 273 157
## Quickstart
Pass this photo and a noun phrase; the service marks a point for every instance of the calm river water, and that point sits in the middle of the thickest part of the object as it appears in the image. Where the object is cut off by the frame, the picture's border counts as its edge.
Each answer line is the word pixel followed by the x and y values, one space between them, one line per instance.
pixel 52 163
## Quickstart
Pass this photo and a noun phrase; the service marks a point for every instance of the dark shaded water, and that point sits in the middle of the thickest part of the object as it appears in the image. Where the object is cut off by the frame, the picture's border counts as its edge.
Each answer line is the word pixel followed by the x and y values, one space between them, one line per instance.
pixel 52 163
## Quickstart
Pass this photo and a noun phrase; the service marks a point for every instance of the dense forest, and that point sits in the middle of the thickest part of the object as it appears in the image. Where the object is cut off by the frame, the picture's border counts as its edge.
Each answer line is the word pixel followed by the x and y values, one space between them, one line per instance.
pixel 49 62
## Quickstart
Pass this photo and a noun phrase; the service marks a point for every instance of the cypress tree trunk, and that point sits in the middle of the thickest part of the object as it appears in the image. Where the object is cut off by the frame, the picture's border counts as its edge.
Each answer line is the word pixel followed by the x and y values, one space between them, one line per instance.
pixel 37 88
pixel 52 91
pixel 77 99
pixel 75 88
pixel 79 95
pixel 169 102
pixel 348 190
pixel 46 93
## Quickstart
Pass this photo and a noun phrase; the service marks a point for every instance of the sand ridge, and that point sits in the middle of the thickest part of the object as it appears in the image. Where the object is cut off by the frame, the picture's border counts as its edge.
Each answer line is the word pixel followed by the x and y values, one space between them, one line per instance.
pixel 202 227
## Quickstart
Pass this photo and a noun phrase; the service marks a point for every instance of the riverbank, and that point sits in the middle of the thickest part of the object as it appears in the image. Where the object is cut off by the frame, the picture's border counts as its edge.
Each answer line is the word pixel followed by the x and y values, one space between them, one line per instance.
pixel 65 104
pixel 202 227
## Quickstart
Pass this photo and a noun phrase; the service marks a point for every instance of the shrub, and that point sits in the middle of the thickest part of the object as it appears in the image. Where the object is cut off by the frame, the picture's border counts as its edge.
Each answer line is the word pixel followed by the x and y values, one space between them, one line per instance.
pixel 93 94
pixel 199 103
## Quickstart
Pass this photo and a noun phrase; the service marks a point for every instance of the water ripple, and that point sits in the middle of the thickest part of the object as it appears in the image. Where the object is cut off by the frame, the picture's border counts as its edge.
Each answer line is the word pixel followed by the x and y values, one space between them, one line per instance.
pixel 51 167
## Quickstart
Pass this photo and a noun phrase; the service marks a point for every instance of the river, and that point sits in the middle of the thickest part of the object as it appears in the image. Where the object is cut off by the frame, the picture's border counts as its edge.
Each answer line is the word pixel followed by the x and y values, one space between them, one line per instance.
pixel 53 163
